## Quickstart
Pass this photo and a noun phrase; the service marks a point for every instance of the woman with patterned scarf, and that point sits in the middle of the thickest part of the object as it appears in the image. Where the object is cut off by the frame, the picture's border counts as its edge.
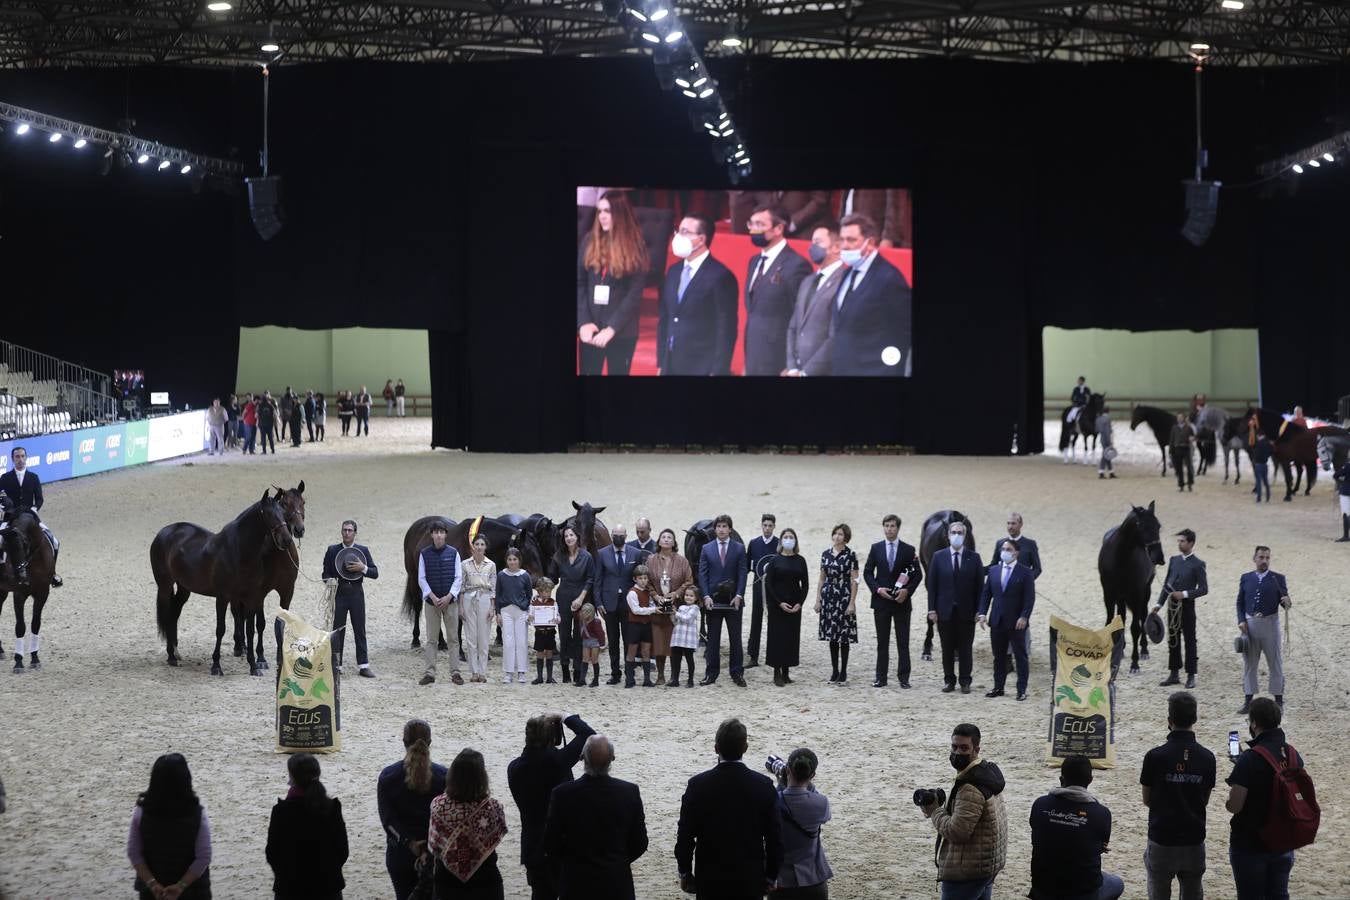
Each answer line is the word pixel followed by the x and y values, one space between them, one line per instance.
pixel 467 824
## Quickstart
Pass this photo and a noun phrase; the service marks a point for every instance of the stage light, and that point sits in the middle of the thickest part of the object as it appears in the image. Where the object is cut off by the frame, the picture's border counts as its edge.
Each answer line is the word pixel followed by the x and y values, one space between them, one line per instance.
pixel 728 132
pixel 1298 170
pixel 1233 5
pixel 660 14
pixel 706 93
pixel 143 159
pixel 270 46
pixel 637 15
pixel 674 36
pixel 186 169
pixel 725 115
pixel 163 164
pixel 1199 47
pixel 1328 157
pixel 54 137
pixel 648 36
pixel 22 129
pixel 79 145
pixel 732 39
pixel 682 83
pixel 690 94
pixel 220 6
pixel 702 81
pixel 739 153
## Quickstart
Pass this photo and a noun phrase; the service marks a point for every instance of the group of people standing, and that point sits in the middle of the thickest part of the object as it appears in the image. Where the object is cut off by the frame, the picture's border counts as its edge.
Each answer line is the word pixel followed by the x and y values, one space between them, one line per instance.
pixel 251 420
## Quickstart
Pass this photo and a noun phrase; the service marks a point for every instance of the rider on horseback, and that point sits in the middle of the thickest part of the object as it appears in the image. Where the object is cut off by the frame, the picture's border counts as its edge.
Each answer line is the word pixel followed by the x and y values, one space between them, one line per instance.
pixel 23 490
pixel 1079 399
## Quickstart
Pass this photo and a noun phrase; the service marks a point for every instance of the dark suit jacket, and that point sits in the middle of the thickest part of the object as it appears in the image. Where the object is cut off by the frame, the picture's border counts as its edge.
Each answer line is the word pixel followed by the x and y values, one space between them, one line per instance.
pixel 1009 604
pixel 27 497
pixel 806 209
pixel 1185 574
pixel 890 209
pixel 877 574
pixel 595 860
pixel 1028 554
pixel 696 336
pixel 625 298
pixel 330 566
pixel 611 581
pixel 711 570
pixel 532 776
pixel 809 334
pixel 768 306
pixel 876 315
pixel 952 594
pixel 641 551
pixel 730 833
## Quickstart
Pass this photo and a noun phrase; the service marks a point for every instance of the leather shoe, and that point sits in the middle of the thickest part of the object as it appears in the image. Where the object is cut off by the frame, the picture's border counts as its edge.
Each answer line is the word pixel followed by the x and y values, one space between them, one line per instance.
pixel 614 679
pixel 427 679
pixel 365 673
pixel 1170 680
pixel 1190 681
pixel 706 680
pixel 752 664
pixel 738 681
pixel 927 656
pixel 905 685
pixel 1022 696
pixel 879 683
pixel 996 692
pixel 948 688
pixel 457 678
pixel 965 689
pixel 1245 708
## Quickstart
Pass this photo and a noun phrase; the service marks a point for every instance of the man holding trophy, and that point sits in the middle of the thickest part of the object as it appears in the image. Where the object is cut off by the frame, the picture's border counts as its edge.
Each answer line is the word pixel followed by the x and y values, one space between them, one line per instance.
pixel 892 574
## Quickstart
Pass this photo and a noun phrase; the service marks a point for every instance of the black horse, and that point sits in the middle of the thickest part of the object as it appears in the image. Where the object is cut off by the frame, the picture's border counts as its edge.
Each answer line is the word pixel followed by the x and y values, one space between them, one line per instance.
pixel 1085 426
pixel 1160 422
pixel 698 536
pixel 1234 443
pixel 26 544
pixel 1129 553
pixel 238 566
pixel 932 538
pixel 547 536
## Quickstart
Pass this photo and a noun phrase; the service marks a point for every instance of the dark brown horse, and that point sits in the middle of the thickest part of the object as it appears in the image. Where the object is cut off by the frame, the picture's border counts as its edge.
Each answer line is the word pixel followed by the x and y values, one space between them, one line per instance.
pixel 1295 448
pixel 41 564
pixel 500 537
pixel 932 538
pixel 591 532
pixel 238 566
pixel 1125 563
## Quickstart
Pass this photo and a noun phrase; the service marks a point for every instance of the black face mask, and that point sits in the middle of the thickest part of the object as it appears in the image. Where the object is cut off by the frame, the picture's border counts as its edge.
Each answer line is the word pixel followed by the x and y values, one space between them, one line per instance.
pixel 618 540
pixel 959 760
pixel 760 240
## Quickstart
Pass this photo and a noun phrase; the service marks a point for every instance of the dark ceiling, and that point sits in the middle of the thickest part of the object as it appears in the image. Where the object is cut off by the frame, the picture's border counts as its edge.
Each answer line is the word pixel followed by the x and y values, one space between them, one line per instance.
pixel 36 33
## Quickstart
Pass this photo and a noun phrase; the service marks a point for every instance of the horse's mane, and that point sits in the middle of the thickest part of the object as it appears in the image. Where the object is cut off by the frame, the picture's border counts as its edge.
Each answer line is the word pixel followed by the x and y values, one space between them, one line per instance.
pixel 239 519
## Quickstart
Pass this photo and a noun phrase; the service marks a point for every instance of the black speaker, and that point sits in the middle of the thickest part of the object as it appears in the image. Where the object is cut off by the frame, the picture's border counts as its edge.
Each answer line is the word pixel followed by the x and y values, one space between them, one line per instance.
pixel 1202 209
pixel 264 205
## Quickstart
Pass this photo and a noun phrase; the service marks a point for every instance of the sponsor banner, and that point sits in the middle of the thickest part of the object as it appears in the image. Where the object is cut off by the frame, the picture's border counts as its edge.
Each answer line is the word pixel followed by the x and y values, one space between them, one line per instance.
pixel 1083 664
pixel 177 435
pixel 97 449
pixel 136 443
pixel 48 455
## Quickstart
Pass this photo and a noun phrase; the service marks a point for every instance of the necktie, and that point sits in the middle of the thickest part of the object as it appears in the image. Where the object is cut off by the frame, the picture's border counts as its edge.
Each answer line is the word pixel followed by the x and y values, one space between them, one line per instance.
pixel 848 289
pixel 890 555
pixel 956 562
pixel 687 274
pixel 722 549
pixel 1007 570
pixel 815 284
pixel 759 270
pixel 620 557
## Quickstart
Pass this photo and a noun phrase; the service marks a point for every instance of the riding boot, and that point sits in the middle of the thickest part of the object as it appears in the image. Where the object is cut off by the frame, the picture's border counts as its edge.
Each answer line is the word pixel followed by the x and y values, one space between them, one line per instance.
pixel 567 671
pixel 595 674
pixel 647 674
pixel 56 579
pixel 550 680
pixel 1345 529
pixel 628 677
pixel 538 672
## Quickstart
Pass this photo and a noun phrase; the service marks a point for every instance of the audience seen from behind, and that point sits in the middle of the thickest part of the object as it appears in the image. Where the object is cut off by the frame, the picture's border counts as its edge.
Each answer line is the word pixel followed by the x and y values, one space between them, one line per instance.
pixel 404 793
pixel 1177 778
pixel 467 824
pixel 306 838
pixel 596 829
pixel 805 873
pixel 729 842
pixel 972 824
pixel 1070 830
pixel 169 843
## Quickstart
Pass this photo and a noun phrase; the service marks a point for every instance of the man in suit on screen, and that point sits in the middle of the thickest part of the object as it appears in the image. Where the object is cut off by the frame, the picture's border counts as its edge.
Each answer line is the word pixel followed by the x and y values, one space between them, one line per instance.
pixel 771 281
pixel 697 329
pixel 872 309
pixel 808 333
pixel 890 209
pixel 804 209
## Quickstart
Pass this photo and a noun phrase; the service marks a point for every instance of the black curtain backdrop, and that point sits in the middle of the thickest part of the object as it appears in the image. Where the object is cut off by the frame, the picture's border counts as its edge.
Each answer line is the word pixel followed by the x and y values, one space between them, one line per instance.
pixel 442 198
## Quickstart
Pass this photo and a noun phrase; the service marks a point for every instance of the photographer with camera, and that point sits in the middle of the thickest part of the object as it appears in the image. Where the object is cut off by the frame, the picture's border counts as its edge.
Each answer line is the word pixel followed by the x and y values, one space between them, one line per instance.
pixel 971 824
pixel 805 873
pixel 544 764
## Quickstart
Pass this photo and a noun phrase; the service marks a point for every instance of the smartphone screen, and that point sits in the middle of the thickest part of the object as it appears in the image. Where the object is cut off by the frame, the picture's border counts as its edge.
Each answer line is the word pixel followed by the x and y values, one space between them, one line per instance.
pixel 1234 745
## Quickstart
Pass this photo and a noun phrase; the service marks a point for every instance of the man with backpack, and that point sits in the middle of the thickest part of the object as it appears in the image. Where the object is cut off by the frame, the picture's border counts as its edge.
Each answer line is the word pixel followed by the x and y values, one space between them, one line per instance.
pixel 1274 808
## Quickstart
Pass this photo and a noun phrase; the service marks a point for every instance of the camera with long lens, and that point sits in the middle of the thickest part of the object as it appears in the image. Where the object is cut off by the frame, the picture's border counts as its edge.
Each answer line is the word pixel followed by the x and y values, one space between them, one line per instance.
pixel 930 797
pixel 777 766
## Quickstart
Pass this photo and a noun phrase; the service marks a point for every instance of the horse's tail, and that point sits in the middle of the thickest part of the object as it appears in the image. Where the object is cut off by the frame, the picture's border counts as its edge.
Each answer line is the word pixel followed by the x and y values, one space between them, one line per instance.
pixel 1209 449
pixel 164 605
pixel 412 597
pixel 1065 430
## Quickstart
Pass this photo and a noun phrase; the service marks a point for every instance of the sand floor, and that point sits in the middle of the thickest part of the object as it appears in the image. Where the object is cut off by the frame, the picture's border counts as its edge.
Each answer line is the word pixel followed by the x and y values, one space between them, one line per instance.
pixel 79 737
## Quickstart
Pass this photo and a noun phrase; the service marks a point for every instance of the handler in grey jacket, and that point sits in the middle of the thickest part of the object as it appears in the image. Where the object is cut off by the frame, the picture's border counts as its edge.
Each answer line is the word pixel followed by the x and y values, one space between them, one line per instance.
pixel 1184 584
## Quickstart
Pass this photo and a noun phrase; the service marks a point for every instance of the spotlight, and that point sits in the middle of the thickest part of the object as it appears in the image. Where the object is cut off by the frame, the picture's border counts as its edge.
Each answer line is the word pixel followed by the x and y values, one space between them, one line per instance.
pixel 143 159
pixel 163 164
pixel 220 6
pixel 739 153
pixel 660 14
pixel 706 93
pixel 725 115
pixel 270 46
pixel 1298 170
pixel 1199 47
pixel 54 137
pixel 702 81
pixel 79 145
pixel 682 83
pixel 648 36
pixel 186 169
pixel 690 94
pixel 637 15
pixel 1233 5
pixel 728 132
pixel 732 40
pixel 22 129
pixel 1328 157
pixel 674 36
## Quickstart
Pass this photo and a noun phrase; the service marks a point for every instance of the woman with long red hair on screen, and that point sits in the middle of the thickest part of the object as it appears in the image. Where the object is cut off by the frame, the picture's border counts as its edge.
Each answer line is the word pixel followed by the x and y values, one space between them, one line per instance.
pixel 612 265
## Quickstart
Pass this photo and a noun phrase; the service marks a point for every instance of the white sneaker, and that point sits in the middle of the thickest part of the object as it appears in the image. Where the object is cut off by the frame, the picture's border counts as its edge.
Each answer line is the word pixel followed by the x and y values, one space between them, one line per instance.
pixel 507 678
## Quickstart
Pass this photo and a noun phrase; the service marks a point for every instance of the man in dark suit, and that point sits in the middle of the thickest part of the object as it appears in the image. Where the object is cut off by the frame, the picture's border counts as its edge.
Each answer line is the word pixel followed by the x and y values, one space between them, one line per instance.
pixel 872 326
pixel 595 860
pixel 892 574
pixel 544 764
pixel 955 577
pixel 723 560
pixel 1006 602
pixel 644 543
pixel 1185 583
pixel 808 333
pixel 805 209
pixel 766 544
pixel 24 490
pixel 613 577
pixel 890 209
pixel 1028 554
pixel 350 597
pixel 696 333
pixel 729 843
pixel 771 282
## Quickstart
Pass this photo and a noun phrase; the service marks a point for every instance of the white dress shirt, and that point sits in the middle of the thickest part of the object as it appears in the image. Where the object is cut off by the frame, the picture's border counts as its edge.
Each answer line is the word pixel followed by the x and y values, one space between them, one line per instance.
pixel 769 254
pixel 422 575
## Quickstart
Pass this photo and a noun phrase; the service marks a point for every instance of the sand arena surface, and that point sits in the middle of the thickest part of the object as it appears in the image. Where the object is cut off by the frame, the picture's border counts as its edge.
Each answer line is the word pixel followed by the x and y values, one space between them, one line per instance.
pixel 79 737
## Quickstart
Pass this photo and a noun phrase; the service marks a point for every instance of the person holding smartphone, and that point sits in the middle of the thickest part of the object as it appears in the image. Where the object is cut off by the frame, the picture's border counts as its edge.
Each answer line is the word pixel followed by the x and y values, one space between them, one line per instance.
pixel 1177 779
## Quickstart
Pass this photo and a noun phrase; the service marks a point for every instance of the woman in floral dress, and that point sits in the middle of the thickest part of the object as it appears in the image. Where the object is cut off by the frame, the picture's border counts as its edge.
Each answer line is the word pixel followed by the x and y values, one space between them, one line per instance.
pixel 836 602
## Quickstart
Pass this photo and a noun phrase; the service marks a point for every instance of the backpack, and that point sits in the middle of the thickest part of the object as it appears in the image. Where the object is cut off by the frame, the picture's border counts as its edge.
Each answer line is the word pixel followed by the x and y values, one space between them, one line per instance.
pixel 1294 814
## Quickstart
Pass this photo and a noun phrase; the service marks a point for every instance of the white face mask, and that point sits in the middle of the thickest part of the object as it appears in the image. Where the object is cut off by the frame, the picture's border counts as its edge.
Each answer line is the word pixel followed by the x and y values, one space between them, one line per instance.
pixel 681 246
pixel 789 543
pixel 1006 556
pixel 956 540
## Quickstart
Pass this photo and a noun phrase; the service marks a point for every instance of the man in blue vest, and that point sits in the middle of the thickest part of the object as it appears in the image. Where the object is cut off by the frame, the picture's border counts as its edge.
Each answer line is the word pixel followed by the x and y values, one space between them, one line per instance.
pixel 439 576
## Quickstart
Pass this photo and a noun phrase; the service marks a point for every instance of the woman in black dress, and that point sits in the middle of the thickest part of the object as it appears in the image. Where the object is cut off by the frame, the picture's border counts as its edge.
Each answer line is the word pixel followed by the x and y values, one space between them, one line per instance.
pixel 576 568
pixel 612 265
pixel 785 589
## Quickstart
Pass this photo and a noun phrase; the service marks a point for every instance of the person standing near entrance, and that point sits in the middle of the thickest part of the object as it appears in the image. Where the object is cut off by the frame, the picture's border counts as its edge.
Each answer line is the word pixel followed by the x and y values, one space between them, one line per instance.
pixel 892 574
pixel 400 392
pixel 363 403
pixel 1180 441
pixel 1185 583
pixel 764 545
pixel 351 596
pixel 1260 596
pixel 1262 451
